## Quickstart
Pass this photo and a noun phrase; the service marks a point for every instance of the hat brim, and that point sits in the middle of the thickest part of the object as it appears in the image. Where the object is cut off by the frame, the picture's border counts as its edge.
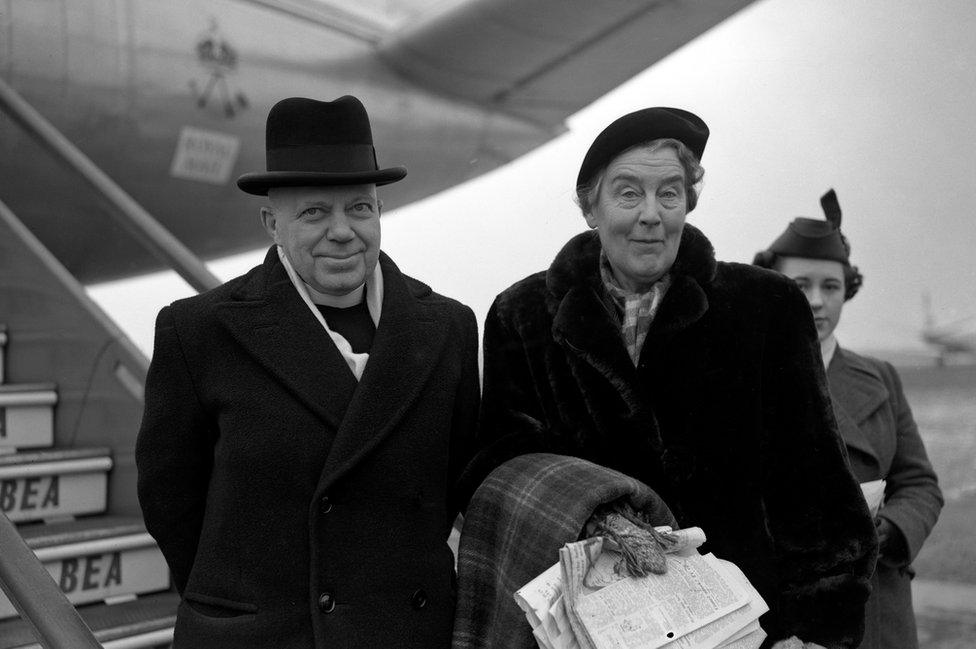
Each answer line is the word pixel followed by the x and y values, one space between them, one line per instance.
pixel 258 183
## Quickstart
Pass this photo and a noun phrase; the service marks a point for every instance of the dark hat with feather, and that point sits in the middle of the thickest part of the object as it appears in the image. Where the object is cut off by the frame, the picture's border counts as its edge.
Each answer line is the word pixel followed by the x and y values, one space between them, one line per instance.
pixel 815 239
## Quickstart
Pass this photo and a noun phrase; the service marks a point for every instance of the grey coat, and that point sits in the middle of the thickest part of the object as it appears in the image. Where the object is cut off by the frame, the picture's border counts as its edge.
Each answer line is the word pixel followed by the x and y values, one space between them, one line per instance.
pixel 882 441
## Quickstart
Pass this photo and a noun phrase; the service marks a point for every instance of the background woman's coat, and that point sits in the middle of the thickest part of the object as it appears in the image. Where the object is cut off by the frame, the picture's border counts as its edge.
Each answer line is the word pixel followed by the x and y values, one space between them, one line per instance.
pixel 876 424
pixel 727 417
pixel 297 508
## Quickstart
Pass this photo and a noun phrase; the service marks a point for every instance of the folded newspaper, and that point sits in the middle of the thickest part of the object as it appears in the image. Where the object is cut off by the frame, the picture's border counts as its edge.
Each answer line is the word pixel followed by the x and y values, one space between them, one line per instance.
pixel 585 601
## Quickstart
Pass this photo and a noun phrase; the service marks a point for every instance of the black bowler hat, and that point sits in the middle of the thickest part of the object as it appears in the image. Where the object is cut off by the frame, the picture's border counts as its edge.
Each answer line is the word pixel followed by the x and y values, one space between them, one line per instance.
pixel 312 143
pixel 639 127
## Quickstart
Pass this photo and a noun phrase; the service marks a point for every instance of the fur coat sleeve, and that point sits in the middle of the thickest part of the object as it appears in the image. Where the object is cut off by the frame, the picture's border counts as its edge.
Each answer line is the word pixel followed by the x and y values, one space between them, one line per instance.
pixel 822 533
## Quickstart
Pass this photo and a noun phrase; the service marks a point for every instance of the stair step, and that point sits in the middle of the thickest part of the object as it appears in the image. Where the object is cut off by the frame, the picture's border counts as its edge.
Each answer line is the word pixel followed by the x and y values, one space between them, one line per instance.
pixel 27 415
pixel 144 622
pixel 53 483
pixel 95 558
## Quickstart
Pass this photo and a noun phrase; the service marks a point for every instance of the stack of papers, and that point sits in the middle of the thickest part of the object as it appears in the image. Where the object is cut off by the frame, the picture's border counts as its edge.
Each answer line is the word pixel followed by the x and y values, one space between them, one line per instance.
pixel 583 602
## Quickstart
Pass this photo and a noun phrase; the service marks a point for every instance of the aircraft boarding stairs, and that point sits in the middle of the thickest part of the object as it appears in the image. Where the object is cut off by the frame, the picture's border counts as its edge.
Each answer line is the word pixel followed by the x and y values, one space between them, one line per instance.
pixel 108 566
pixel 70 404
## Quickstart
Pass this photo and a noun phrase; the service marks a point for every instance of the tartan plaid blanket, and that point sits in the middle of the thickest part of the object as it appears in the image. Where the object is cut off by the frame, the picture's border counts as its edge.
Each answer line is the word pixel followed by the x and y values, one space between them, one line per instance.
pixel 519 517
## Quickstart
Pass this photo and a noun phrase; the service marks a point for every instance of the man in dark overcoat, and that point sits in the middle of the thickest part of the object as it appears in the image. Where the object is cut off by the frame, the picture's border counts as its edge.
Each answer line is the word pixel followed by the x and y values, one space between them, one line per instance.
pixel 305 422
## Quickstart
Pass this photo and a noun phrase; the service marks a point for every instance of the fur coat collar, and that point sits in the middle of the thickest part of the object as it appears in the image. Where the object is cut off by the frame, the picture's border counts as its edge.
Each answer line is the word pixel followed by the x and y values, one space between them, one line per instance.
pixel 586 327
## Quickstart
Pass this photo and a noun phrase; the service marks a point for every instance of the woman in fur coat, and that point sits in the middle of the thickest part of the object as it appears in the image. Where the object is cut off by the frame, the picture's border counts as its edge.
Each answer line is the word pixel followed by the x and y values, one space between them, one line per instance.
pixel 638 351
pixel 874 421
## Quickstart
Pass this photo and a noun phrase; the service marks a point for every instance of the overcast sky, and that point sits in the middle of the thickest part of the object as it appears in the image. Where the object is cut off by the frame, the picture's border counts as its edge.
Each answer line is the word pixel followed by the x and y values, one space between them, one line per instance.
pixel 875 98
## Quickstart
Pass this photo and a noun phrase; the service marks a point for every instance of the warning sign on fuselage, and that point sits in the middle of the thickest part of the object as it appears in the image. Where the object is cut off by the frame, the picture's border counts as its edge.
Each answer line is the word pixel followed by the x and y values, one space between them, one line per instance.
pixel 205 156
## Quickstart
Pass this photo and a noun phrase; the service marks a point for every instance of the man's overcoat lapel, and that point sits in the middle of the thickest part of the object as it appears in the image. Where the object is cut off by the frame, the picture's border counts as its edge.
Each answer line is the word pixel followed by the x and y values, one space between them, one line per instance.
pixel 406 349
pixel 271 322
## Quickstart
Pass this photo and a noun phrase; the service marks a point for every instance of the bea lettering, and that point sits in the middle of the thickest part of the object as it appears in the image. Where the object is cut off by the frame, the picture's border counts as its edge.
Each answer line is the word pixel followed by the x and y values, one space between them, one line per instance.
pixel 91 572
pixel 29 494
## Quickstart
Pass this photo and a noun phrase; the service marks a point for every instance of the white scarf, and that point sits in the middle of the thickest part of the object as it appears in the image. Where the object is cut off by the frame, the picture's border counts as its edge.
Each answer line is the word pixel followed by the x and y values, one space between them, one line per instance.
pixel 374 302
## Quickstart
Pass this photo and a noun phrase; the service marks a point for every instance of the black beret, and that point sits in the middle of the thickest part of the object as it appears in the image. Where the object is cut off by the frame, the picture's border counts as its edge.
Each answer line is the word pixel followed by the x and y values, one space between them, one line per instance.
pixel 639 127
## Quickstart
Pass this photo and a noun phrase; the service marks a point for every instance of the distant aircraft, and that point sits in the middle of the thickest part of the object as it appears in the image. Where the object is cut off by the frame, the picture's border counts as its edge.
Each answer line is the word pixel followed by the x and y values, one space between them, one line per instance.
pixel 950 339
pixel 167 101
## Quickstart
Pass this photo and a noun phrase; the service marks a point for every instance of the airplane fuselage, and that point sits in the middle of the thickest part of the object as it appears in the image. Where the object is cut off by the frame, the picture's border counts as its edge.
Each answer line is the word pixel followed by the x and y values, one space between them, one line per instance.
pixel 169 99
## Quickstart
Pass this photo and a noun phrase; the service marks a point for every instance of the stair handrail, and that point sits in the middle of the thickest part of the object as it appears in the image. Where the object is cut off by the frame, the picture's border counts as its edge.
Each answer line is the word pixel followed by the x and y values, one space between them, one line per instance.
pixel 32 591
pixel 136 363
pixel 128 213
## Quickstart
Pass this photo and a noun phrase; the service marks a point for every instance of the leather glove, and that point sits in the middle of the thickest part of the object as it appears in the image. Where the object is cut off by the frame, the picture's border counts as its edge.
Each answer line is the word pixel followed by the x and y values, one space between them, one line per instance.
pixel 884 528
pixel 639 544
pixel 891 542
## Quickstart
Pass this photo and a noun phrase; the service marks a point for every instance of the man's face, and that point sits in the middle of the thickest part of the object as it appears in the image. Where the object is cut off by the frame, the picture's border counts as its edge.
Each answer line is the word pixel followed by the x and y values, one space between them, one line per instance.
pixel 822 281
pixel 331 235
pixel 639 214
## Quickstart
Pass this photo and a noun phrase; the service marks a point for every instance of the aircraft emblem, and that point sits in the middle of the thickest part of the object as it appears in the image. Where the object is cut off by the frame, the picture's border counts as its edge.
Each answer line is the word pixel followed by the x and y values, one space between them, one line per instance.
pixel 219 60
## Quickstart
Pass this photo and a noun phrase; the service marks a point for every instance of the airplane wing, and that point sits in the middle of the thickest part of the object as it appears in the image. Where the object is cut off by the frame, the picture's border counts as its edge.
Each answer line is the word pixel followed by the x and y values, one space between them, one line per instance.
pixel 543 60
pixel 367 27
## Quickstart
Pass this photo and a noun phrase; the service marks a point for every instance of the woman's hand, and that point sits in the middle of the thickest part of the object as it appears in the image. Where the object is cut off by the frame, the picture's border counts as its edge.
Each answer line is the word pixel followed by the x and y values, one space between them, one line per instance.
pixel 891 542
pixel 884 532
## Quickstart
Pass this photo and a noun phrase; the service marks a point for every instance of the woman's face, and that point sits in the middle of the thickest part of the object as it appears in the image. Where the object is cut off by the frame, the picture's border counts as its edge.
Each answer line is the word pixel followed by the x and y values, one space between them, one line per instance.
pixel 639 213
pixel 822 281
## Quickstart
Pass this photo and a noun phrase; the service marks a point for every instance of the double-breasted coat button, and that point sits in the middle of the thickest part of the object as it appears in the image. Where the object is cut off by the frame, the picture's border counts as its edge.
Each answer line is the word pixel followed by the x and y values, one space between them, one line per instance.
pixel 419 599
pixel 326 602
pixel 325 505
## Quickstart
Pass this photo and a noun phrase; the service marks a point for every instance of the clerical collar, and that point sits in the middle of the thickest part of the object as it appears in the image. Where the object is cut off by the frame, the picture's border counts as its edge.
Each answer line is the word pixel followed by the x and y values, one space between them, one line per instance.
pixel 373 289
pixel 352 298
pixel 374 302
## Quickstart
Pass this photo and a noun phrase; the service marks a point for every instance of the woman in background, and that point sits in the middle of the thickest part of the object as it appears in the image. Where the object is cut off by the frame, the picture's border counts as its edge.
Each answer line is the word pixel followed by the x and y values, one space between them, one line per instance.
pixel 873 419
